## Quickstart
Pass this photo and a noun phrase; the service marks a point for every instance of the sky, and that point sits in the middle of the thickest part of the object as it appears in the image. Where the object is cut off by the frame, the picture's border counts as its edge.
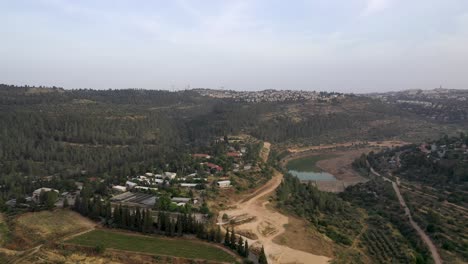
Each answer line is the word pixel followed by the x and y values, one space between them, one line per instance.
pixel 327 45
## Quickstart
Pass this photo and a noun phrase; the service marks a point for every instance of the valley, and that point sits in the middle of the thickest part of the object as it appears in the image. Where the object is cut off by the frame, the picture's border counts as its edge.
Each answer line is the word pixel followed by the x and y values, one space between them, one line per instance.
pixel 293 180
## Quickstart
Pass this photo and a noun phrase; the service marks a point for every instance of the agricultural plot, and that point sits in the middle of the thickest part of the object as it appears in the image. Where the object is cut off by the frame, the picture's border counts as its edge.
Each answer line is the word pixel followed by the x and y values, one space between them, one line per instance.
pixel 385 244
pixel 152 245
pixel 384 248
pixel 445 224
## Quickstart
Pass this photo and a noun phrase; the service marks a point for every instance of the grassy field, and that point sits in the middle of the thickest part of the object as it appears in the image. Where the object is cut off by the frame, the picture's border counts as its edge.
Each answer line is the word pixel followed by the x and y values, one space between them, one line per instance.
pixel 152 245
pixel 308 164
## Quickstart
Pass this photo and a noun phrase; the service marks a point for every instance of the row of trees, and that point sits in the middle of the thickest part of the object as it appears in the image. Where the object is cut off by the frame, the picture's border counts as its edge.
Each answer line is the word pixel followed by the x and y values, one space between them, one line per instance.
pixel 236 243
pixel 165 223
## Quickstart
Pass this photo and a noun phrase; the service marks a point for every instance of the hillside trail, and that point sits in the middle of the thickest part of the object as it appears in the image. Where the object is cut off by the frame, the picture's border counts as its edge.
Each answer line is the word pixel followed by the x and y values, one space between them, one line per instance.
pixel 267 224
pixel 425 238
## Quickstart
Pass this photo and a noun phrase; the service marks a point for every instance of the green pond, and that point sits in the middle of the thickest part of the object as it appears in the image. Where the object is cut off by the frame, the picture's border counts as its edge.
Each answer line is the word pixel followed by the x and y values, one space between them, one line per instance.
pixel 306 169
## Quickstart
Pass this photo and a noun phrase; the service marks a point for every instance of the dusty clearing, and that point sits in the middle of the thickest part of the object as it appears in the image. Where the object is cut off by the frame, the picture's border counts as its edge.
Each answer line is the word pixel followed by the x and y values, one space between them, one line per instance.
pixel 45 226
pixel 266 224
pixel 299 235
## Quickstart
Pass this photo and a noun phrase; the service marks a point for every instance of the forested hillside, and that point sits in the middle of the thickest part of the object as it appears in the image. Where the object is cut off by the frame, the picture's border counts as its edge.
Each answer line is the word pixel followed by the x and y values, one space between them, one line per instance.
pixel 434 182
pixel 116 133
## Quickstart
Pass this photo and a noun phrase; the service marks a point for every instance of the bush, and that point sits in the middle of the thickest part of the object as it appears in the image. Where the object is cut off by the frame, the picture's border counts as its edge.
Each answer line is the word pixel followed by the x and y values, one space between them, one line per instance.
pixel 99 249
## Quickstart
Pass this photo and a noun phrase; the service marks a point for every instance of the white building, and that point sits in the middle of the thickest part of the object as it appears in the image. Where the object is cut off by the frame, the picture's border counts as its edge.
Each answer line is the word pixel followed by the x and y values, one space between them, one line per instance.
pixel 36 195
pixel 170 175
pixel 119 188
pixel 130 185
pixel 224 184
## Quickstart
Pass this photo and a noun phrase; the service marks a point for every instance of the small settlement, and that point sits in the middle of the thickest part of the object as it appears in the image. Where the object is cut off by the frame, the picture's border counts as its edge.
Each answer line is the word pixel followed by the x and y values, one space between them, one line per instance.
pixel 177 189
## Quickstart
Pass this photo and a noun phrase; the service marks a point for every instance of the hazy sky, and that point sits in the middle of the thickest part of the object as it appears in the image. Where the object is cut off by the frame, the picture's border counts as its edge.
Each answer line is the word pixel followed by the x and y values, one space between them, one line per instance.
pixel 340 45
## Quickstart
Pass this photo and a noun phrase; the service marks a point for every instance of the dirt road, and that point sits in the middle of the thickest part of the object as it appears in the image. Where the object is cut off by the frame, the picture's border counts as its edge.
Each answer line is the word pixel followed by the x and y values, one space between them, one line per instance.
pixel 266 224
pixel 265 153
pixel 426 239
pixel 421 233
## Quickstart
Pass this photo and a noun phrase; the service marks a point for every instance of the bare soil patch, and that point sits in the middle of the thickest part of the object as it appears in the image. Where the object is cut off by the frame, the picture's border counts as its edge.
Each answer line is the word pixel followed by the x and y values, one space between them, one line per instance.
pixel 301 236
pixel 269 223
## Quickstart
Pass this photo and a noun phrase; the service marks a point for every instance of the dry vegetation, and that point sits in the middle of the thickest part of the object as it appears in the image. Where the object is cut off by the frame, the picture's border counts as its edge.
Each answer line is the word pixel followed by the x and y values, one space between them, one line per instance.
pixel 41 227
pixel 301 236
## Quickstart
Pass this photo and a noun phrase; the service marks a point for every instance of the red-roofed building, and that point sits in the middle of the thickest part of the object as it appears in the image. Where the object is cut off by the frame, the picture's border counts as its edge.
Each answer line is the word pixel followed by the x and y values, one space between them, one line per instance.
pixel 234 154
pixel 213 166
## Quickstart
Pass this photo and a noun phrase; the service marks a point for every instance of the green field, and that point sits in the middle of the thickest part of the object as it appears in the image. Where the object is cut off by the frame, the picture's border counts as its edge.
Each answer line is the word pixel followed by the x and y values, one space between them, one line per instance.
pixel 308 164
pixel 152 245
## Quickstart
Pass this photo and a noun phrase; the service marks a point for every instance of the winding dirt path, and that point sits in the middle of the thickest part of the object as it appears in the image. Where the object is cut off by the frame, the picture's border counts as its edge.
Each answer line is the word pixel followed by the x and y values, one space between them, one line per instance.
pixel 267 224
pixel 425 238
pixel 421 233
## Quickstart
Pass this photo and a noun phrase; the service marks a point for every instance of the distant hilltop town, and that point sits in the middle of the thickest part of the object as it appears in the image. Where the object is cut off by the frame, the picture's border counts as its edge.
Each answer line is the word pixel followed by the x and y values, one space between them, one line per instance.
pixel 270 95
pixel 437 104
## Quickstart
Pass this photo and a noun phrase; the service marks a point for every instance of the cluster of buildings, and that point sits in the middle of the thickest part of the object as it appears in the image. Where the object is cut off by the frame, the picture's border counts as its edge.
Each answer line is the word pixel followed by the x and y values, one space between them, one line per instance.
pixel 143 190
pixel 437 104
pixel 440 151
pixel 269 95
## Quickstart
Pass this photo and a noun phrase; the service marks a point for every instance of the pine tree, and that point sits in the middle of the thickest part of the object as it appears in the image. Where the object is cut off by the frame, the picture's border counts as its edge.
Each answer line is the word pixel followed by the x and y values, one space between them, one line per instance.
pixel 118 215
pixel 172 229
pixel 125 217
pixel 240 246
pixel 246 249
pixel 227 238
pixel 159 223
pixel 167 224
pixel 218 238
pixel 108 212
pixel 148 223
pixel 262 259
pixel 179 226
pixel 131 222
pixel 233 241
pixel 138 220
pixel 212 234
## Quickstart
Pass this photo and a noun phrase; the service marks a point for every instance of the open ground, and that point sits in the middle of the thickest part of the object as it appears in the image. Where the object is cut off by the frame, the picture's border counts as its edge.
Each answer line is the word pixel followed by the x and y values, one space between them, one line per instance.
pixel 263 223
